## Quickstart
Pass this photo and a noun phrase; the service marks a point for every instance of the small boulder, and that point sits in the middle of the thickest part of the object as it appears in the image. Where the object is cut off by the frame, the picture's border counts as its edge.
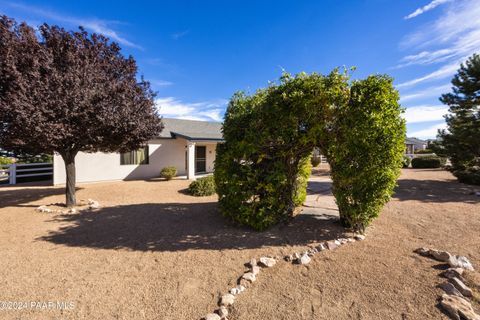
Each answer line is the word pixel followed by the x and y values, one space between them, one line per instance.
pixel 331 245
pixel 44 209
pixel 288 258
pixel 462 287
pixel 442 256
pixel 425 252
pixel 255 270
pixel 249 276
pixel 223 312
pixel 359 237
pixel 240 288
pixel 227 299
pixel 305 259
pixel 267 262
pixel 458 308
pixel 452 273
pixel 450 289
pixel 234 291
pixel 296 256
pixel 252 262
pixel 460 262
pixel 212 316
pixel 321 247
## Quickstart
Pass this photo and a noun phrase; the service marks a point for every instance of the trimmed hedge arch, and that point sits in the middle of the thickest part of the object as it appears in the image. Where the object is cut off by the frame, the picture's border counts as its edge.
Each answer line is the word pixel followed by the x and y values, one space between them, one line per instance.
pixel 261 170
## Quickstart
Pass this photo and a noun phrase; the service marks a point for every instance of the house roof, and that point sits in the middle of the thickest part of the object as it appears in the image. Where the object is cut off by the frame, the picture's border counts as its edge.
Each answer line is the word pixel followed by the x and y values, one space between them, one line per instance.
pixel 191 129
pixel 415 141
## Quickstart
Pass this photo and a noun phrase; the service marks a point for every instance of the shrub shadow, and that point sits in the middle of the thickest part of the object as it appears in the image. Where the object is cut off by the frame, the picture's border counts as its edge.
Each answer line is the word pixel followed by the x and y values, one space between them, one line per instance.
pixel 181 226
pixel 435 191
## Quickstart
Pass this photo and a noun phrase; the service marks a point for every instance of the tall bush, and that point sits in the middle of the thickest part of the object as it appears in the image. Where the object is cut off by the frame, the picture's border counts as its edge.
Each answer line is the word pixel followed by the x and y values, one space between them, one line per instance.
pixel 261 170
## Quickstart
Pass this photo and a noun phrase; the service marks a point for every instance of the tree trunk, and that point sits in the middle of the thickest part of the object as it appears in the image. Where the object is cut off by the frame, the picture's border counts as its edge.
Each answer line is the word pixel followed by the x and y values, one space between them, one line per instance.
pixel 69 159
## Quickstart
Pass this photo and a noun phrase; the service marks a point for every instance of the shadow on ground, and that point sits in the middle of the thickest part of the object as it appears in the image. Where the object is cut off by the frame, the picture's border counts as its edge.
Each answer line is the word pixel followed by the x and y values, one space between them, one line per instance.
pixel 435 191
pixel 180 226
pixel 22 194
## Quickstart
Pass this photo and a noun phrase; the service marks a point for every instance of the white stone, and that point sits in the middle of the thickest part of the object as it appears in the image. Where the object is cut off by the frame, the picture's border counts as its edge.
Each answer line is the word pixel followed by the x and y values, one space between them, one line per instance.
pixel 337 242
pixel 267 262
pixel 305 259
pixel 460 262
pixel 359 237
pixel 450 289
pixel 44 209
pixel 234 291
pixel 332 245
pixel 223 312
pixel 321 247
pixel 212 316
pixel 451 273
pixel 252 262
pixel 296 256
pixel 249 277
pixel 255 270
pixel 240 288
pixel 227 299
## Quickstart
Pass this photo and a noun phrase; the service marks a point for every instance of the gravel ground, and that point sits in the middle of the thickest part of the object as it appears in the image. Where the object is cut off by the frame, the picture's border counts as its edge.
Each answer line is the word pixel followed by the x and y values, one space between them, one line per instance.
pixel 153 252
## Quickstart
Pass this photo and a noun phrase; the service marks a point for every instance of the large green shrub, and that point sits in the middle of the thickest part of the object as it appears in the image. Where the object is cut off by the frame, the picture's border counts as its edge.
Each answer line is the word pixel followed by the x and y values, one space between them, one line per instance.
pixel 201 187
pixel 261 170
pixel 168 172
pixel 470 175
pixel 428 162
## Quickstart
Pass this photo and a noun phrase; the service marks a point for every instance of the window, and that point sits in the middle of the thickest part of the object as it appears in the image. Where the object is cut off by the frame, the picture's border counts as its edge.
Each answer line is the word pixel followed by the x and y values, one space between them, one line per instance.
pixel 139 156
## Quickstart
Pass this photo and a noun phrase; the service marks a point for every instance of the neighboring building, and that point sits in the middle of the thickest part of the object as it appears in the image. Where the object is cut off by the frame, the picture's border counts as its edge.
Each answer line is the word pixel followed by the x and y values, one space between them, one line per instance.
pixel 185 144
pixel 413 144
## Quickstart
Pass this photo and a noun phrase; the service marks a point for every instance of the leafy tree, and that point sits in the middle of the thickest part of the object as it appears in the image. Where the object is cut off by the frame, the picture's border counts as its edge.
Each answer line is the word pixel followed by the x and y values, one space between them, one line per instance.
pixel 262 168
pixel 461 143
pixel 70 92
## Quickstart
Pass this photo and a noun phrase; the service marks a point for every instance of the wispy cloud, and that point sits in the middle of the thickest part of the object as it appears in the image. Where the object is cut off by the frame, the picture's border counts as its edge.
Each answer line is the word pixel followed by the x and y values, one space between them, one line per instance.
pixel 448 40
pixel 429 132
pixel 212 110
pixel 93 24
pixel 428 7
pixel 160 83
pixel 426 93
pixel 178 35
pixel 425 113
pixel 443 72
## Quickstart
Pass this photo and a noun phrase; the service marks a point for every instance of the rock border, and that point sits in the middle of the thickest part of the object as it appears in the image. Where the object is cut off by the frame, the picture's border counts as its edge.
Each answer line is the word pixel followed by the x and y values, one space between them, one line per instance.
pixel 89 204
pixel 247 279
pixel 456 299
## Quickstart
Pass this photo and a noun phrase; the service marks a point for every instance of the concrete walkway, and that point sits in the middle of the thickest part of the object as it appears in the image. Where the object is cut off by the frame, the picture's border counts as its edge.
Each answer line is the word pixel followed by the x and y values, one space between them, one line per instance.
pixel 320 200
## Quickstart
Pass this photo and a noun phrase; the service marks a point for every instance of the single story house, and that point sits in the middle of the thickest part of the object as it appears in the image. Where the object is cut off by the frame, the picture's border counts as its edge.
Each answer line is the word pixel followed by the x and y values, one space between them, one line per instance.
pixel 413 144
pixel 187 145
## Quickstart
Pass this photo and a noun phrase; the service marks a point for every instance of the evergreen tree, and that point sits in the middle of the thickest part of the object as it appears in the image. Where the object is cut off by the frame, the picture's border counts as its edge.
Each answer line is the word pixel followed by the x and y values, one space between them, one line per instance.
pixel 461 143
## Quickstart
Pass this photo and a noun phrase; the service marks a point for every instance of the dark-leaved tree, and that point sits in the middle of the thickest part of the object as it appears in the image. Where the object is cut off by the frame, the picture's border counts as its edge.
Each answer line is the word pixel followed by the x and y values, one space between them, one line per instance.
pixel 70 92
pixel 461 143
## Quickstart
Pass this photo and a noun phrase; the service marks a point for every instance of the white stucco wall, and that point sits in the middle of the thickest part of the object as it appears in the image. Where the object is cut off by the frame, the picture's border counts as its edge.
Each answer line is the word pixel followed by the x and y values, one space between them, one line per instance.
pixel 92 167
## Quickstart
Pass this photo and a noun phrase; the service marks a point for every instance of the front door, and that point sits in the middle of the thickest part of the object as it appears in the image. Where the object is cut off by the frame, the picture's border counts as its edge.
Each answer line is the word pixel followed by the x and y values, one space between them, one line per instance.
pixel 200 159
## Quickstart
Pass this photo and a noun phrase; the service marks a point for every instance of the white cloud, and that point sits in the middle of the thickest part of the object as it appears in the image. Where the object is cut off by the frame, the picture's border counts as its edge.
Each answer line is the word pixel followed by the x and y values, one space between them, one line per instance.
pixel 171 107
pixel 178 35
pixel 426 93
pixel 160 83
pixel 425 113
pixel 443 72
pixel 428 7
pixel 427 133
pixel 449 40
pixel 92 24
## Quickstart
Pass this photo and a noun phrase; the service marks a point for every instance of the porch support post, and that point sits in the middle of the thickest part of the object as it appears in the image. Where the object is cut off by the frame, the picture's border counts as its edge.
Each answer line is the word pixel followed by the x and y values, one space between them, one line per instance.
pixel 191 160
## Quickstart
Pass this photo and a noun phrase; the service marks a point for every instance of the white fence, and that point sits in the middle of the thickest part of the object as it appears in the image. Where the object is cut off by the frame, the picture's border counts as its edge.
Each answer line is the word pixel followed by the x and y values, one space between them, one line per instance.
pixel 10 173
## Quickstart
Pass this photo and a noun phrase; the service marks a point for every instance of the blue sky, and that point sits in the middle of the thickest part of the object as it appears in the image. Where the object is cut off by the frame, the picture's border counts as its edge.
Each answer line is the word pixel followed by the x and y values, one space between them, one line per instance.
pixel 197 54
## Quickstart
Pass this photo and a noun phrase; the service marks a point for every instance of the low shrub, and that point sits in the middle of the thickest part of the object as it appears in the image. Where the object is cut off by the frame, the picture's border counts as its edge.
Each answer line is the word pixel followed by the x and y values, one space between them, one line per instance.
pixel 406 161
pixel 6 160
pixel 202 187
pixel 315 161
pixel 168 172
pixel 424 151
pixel 469 175
pixel 428 162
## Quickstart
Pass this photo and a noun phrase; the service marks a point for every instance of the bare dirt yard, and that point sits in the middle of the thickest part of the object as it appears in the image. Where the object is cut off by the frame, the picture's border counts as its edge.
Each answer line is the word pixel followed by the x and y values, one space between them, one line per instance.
pixel 154 252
